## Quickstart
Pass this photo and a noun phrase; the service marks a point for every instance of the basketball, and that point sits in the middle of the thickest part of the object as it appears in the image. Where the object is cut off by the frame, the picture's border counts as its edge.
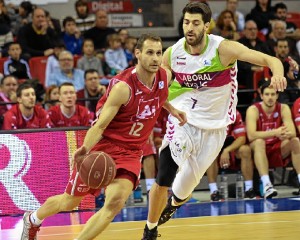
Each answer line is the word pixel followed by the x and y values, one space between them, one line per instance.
pixel 97 170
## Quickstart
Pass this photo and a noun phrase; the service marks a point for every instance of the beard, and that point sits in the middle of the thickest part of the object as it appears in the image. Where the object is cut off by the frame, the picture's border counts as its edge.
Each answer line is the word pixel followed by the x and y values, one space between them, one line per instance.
pixel 198 39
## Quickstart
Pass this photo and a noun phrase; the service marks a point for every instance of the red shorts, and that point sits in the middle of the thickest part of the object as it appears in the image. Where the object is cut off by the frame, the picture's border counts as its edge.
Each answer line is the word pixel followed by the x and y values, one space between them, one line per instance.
pixel 149 149
pixel 128 164
pixel 274 155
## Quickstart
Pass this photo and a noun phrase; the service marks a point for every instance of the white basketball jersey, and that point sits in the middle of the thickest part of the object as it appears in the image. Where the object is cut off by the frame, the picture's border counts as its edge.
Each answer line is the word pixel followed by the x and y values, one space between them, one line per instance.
pixel 204 89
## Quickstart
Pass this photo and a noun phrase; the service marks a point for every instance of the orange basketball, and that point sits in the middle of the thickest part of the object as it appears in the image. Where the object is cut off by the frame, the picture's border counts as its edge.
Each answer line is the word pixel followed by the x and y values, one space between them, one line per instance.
pixel 97 170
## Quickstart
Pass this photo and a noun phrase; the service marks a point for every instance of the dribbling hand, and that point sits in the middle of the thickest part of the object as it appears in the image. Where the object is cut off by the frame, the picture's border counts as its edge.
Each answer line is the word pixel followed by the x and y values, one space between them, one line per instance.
pixel 79 156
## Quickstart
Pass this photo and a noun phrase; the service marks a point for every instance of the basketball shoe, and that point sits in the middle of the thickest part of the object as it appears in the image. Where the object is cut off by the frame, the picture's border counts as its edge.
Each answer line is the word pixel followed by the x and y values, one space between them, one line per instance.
pixel 269 191
pixel 170 210
pixel 150 234
pixel 250 194
pixel 216 196
pixel 29 230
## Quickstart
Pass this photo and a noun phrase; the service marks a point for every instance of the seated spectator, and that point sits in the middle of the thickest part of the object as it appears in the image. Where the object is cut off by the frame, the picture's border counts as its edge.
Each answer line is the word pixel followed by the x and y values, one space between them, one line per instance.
pixel 26 114
pixel 53 23
pixel 296 114
pixel 23 16
pixel 72 36
pixel 6 37
pixel 291 65
pixel 292 30
pixel 4 16
pixel 37 38
pixel 66 72
pixel 52 60
pixel 239 17
pixel 226 26
pixel 114 55
pixel 89 60
pixel 84 20
pixel 15 65
pixel 272 136
pixel 262 14
pixel 130 43
pixel 68 113
pixel 8 89
pixel 235 154
pixel 51 97
pixel 123 33
pixel 100 31
pixel 279 32
pixel 92 89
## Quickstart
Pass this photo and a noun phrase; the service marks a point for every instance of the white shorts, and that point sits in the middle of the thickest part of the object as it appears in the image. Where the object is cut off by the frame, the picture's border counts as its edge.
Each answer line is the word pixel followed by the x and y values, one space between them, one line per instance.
pixel 193 150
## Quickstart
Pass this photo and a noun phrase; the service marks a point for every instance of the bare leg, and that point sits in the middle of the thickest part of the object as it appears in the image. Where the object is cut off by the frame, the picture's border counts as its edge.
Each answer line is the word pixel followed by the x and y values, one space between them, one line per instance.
pixel 260 158
pixel 116 195
pixel 58 203
pixel 157 201
pixel 212 172
pixel 149 166
pixel 292 147
pixel 246 162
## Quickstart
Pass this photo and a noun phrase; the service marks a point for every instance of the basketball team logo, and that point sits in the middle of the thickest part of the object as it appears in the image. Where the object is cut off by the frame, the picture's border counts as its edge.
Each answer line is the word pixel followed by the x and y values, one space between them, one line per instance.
pixel 147 109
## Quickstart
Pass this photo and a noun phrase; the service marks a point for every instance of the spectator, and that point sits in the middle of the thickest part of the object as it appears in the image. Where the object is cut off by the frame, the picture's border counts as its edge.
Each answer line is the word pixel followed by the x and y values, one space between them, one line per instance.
pixel 26 114
pixel 92 89
pixel 114 55
pixel 250 40
pixel 53 23
pixel 292 31
pixel 68 113
pixel 291 65
pixel 272 136
pixel 239 17
pixel 84 20
pixel 226 26
pixel 89 60
pixel 100 31
pixel 6 37
pixel 8 89
pixel 279 32
pixel 36 38
pixel 51 97
pixel 72 36
pixel 123 33
pixel 15 65
pixel 234 149
pixel 23 17
pixel 52 60
pixel 129 47
pixel 262 14
pixel 4 17
pixel 66 72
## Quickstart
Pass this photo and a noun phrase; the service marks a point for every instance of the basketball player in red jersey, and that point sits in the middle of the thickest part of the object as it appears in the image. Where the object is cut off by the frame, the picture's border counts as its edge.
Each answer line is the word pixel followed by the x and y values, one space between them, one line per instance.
pixel 272 136
pixel 126 116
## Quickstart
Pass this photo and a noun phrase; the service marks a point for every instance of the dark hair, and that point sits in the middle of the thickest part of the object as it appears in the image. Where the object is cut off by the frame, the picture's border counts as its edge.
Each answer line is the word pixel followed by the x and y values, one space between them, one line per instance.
pixel 23 87
pixel 282 40
pixel 14 43
pixel 68 19
pixel 79 3
pixel 7 76
pixel 257 6
pixel 279 6
pixel 144 37
pixel 220 20
pixel 198 7
pixel 27 6
pixel 65 84
pixel 265 85
pixel 91 70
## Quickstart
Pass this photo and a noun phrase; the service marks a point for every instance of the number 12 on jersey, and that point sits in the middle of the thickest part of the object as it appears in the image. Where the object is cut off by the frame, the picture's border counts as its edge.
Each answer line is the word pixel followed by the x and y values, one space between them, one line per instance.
pixel 136 128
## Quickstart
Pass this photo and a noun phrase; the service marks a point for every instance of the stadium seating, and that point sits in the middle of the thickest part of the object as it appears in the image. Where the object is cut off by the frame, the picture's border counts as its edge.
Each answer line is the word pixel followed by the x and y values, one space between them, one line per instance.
pixel 38 68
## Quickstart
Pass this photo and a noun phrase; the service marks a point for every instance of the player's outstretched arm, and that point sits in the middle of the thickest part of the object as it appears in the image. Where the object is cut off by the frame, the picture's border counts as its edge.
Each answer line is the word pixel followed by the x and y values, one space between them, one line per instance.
pixel 180 115
pixel 118 96
pixel 231 51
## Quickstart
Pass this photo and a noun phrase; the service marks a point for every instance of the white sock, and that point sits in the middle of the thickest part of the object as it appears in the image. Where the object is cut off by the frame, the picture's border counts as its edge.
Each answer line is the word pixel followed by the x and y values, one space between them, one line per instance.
pixel 265 180
pixel 248 185
pixel 213 187
pixel 299 177
pixel 35 220
pixel 151 225
pixel 149 183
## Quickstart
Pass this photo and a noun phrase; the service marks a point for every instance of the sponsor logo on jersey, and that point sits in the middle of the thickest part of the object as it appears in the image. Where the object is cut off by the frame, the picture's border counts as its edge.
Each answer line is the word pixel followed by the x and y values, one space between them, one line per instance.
pixel 206 63
pixel 180 63
pixel 181 58
pixel 138 92
pixel 147 109
pixel 161 85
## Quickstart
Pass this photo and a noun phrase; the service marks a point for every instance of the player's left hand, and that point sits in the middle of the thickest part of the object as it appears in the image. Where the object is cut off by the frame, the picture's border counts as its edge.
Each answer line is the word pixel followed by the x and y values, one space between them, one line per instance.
pixel 180 115
pixel 278 83
pixel 79 156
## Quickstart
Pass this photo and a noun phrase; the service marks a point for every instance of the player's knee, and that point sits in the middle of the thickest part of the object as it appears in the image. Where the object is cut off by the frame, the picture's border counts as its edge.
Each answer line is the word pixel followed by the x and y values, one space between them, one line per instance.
pixel 259 144
pixel 114 206
pixel 245 152
pixel 165 180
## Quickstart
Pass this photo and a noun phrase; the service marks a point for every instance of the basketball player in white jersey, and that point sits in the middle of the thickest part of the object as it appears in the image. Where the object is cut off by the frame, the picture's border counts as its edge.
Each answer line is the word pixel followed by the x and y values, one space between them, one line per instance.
pixel 205 88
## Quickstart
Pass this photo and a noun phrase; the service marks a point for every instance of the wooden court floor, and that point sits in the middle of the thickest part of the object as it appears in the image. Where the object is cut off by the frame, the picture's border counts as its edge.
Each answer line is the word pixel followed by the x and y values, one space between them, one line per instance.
pixel 260 226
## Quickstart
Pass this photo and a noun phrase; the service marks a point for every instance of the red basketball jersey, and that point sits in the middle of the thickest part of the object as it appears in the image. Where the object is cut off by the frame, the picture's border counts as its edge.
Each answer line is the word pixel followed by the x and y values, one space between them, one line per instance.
pixel 13 119
pixel 134 122
pixel 296 112
pixel 237 129
pixel 268 123
pixel 81 117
